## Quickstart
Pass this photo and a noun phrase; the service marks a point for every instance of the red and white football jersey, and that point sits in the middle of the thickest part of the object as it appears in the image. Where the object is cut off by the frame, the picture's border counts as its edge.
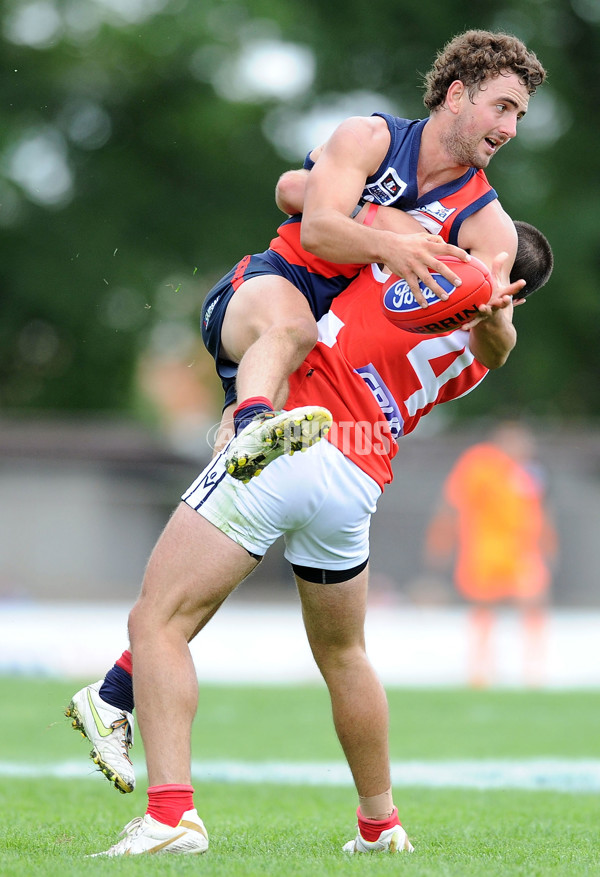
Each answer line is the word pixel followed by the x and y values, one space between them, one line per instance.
pixel 376 379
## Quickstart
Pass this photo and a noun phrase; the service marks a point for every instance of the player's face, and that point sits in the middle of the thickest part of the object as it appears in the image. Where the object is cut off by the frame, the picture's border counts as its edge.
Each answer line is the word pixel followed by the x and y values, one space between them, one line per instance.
pixel 483 125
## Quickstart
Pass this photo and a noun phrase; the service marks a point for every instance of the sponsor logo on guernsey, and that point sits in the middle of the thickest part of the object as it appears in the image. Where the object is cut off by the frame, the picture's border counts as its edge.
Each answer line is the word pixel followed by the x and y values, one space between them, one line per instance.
pixel 437 210
pixel 388 188
pixel 383 397
pixel 399 297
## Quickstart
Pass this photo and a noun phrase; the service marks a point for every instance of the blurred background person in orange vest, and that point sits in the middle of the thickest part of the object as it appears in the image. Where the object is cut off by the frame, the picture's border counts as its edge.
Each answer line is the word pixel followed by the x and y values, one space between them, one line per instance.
pixel 493 522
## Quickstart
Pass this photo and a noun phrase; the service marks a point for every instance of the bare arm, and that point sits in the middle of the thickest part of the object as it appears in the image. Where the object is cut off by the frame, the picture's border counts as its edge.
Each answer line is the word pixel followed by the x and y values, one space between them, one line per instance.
pixel 289 196
pixel 290 189
pixel 490 235
pixel 493 335
pixel 488 232
pixel 334 186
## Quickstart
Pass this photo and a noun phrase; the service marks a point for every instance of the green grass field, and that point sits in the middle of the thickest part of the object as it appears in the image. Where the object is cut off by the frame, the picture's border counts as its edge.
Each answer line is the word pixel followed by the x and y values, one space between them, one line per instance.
pixel 49 824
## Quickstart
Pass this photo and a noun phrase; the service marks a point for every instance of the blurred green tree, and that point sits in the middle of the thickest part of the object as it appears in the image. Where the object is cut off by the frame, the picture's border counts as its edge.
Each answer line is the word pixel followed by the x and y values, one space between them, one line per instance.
pixel 140 145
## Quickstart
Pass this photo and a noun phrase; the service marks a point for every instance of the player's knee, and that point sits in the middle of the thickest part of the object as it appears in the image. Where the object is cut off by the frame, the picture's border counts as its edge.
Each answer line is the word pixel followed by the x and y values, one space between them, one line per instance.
pixel 302 332
pixel 297 331
pixel 336 658
pixel 135 624
pixel 144 620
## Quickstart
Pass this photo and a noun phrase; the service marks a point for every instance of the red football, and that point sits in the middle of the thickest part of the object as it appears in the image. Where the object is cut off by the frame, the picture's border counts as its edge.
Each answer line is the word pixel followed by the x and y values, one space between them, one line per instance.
pixel 401 308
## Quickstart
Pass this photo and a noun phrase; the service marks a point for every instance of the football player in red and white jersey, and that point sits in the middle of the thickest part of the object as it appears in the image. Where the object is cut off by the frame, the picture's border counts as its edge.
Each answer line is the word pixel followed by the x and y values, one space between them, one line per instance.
pixel 377 385
pixel 378 382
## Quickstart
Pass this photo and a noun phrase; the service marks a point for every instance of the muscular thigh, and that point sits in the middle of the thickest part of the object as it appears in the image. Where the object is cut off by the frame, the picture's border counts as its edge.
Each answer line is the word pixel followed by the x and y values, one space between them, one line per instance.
pixel 258 304
pixel 193 568
pixel 334 615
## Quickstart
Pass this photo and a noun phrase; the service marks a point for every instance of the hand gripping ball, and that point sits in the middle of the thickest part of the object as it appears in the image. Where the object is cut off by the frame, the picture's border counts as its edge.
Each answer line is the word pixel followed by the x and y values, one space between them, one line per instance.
pixel 401 308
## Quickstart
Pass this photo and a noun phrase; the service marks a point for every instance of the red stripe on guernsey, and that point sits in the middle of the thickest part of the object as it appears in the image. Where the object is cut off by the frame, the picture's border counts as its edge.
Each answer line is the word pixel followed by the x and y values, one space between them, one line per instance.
pixel 446 214
pixel 124 662
pixel 287 244
pixel 238 277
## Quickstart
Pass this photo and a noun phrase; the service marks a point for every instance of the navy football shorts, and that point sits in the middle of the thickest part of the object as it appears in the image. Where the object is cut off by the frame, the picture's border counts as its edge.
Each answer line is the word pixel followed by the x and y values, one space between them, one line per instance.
pixel 319 292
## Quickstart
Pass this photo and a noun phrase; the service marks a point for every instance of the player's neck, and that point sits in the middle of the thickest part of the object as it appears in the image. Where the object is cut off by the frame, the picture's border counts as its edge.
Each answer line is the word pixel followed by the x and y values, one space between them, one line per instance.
pixel 435 166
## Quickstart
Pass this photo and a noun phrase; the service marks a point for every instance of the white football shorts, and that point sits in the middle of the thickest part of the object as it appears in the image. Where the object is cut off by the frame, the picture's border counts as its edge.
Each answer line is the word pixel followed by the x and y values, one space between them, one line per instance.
pixel 319 501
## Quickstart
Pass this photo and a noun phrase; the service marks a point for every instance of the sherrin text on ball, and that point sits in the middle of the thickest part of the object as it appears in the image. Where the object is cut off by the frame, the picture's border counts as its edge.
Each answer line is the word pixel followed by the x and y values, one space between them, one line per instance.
pixel 403 310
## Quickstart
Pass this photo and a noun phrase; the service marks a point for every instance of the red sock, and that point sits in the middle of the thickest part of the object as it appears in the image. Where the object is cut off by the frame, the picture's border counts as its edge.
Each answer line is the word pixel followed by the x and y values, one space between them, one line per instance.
pixel 124 662
pixel 370 829
pixel 168 803
pixel 253 400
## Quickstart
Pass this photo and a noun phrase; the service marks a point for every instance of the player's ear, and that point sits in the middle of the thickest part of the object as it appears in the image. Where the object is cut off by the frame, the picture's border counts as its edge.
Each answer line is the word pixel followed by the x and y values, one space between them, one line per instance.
pixel 454 95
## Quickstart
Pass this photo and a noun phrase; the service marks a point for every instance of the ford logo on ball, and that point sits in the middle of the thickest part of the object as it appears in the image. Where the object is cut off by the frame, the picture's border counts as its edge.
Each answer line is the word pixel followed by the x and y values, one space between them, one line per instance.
pixel 399 296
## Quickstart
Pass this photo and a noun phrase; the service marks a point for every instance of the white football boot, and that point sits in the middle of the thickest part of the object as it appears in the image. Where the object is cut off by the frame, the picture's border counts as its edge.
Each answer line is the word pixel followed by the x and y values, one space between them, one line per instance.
pixel 392 840
pixel 272 434
pixel 109 730
pixel 145 835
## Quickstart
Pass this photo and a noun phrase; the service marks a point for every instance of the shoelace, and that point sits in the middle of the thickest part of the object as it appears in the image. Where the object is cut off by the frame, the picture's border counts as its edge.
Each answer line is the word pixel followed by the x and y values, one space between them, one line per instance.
pixel 128 833
pixel 133 826
pixel 260 418
pixel 128 734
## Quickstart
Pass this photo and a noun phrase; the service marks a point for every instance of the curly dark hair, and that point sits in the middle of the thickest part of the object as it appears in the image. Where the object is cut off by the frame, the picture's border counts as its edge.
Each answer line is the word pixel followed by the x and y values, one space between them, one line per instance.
pixel 477 55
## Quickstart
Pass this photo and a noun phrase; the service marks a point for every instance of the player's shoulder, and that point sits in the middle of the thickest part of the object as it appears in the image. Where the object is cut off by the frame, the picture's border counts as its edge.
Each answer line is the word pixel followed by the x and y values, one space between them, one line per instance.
pixel 363 140
pixel 374 126
pixel 491 222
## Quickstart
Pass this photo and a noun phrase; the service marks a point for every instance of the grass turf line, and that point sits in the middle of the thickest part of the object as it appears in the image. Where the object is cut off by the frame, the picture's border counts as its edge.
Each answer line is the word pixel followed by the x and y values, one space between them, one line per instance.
pixel 257 830
pixel 48 826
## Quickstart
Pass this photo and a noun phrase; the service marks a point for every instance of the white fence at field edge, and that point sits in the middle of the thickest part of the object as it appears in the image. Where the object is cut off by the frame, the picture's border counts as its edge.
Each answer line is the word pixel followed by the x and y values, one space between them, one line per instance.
pixel 266 644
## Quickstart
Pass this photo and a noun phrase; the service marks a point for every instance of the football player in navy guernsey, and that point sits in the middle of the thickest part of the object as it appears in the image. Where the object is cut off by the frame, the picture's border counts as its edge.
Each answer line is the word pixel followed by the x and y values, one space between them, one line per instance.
pixel 255 323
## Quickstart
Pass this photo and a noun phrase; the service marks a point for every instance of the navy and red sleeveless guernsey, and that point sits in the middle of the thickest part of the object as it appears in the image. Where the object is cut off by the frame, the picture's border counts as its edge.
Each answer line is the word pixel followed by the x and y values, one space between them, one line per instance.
pixel 394 184
pixel 377 380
